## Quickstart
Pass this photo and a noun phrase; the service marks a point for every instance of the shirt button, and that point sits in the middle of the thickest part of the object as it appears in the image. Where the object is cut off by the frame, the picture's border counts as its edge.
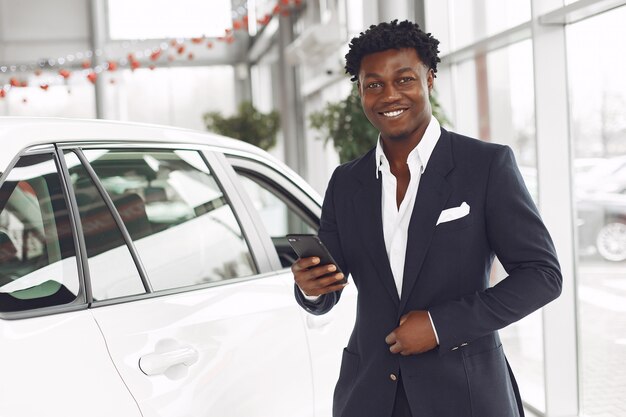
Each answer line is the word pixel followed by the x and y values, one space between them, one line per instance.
pixel 393 377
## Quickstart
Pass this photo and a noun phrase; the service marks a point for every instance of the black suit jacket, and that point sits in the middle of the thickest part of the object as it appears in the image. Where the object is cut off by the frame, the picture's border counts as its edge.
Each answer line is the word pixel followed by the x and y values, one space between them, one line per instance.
pixel 446 272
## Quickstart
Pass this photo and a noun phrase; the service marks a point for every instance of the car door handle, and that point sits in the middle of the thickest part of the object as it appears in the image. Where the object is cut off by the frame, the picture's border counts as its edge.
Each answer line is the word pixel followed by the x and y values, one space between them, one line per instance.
pixel 158 362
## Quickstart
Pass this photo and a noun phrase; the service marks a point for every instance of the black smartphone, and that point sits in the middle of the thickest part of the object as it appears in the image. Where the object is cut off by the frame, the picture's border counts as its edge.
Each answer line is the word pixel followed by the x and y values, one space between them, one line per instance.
pixel 307 246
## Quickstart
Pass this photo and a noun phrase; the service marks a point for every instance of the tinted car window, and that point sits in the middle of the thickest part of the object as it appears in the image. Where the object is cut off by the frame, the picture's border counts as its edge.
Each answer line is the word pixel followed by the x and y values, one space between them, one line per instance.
pixel 279 215
pixel 112 270
pixel 183 228
pixel 37 253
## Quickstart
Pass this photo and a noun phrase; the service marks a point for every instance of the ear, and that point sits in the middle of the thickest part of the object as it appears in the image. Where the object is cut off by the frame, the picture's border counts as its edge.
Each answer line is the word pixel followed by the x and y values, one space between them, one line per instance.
pixel 430 81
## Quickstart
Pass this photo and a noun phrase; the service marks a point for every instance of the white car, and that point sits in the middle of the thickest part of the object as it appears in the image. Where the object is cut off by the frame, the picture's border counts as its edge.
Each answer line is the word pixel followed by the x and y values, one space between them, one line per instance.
pixel 144 271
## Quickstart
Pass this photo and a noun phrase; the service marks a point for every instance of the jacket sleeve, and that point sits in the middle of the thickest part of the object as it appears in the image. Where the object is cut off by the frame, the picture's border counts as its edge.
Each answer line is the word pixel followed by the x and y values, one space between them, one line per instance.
pixel 329 235
pixel 523 245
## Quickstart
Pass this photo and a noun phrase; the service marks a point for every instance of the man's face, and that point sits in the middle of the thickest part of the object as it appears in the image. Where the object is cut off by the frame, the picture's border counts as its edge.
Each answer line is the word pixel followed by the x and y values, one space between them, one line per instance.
pixel 394 86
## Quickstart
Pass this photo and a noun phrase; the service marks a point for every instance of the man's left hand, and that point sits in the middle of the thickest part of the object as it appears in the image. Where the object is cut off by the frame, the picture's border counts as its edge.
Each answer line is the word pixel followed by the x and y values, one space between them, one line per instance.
pixel 414 335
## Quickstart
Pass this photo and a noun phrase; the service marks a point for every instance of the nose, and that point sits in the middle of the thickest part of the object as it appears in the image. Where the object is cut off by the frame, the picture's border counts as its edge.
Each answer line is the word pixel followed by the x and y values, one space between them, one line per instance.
pixel 390 93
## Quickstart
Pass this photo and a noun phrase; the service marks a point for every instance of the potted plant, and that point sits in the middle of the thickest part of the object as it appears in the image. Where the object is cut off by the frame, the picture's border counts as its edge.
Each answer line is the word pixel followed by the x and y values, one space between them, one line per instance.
pixel 248 124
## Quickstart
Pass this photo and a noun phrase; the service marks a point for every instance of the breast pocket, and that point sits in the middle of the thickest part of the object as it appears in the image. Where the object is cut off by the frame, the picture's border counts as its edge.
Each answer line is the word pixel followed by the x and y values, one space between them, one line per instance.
pixel 457 224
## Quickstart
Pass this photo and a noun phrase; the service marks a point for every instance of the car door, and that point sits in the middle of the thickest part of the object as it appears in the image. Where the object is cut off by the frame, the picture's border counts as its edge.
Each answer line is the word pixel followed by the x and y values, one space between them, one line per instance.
pixel 282 204
pixel 215 333
pixel 53 357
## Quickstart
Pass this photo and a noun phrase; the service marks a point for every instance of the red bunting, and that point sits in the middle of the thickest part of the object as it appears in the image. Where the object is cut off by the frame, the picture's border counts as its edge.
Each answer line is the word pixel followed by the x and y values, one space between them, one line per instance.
pixel 86 64
pixel 196 40
pixel 92 77
pixel 44 87
pixel 134 65
pixel 265 20
pixel 24 84
pixel 112 66
pixel 14 82
pixel 37 72
pixel 3 93
pixel 152 67
pixel 65 74
pixel 237 25
pixel 190 56
pixel 155 55
pixel 180 49
pixel 209 44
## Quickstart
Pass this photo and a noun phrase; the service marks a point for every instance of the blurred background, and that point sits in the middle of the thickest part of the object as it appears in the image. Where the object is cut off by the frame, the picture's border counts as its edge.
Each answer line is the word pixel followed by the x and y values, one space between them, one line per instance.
pixel 545 77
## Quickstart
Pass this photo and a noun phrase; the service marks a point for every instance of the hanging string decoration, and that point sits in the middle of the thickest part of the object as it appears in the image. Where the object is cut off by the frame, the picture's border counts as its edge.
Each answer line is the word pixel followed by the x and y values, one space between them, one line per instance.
pixel 81 63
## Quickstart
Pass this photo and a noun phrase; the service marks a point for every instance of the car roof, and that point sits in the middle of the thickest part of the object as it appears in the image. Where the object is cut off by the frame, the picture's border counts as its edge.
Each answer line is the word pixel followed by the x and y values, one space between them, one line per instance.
pixel 17 133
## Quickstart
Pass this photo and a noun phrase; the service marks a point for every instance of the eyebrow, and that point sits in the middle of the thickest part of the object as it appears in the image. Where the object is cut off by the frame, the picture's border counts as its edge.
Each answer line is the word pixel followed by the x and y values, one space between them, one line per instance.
pixel 375 75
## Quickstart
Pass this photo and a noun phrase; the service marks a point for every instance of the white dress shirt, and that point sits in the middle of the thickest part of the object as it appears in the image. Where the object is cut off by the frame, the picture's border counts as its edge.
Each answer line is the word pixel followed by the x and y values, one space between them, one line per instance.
pixel 396 219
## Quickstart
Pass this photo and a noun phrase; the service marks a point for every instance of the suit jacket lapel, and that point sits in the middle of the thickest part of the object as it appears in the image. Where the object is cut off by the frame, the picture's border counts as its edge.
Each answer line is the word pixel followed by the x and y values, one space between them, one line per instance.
pixel 432 195
pixel 368 212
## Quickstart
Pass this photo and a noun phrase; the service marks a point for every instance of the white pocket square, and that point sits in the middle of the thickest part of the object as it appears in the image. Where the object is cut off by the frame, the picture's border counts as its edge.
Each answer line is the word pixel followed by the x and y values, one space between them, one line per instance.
pixel 454 213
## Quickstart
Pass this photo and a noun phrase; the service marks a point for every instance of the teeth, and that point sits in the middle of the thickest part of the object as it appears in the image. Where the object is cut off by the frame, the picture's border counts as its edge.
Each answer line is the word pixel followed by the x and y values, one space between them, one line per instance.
pixel 393 113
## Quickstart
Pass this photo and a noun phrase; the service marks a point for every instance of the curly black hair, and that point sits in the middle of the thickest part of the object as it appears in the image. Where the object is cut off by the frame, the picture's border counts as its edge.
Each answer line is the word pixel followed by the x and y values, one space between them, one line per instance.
pixel 392 35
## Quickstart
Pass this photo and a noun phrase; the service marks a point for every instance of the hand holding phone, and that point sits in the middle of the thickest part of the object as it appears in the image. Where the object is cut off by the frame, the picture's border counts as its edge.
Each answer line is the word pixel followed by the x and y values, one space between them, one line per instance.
pixel 315 278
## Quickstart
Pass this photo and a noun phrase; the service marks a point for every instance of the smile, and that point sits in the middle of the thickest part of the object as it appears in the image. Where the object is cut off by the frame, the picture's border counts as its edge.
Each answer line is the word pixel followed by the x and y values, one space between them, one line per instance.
pixel 393 113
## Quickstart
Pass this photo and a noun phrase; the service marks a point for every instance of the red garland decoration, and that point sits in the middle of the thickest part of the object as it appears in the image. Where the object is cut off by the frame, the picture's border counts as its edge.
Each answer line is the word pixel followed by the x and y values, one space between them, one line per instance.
pixel 3 93
pixel 24 84
pixel 14 82
pixel 134 65
pixel 181 49
pixel 44 87
pixel 86 64
pixel 112 66
pixel 155 55
pixel 37 72
pixel 65 74
pixel 190 56
pixel 152 67
pixel 92 77
pixel 209 44
pixel 197 40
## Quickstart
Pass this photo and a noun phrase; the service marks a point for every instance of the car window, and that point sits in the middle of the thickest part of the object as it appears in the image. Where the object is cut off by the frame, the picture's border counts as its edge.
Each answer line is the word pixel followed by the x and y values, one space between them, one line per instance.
pixel 181 223
pixel 278 212
pixel 37 254
pixel 112 270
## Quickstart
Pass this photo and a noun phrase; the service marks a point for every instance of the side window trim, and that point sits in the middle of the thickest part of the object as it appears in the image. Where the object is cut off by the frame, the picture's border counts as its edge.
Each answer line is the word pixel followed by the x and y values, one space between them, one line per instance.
pixel 226 178
pixel 276 181
pixel 80 302
pixel 118 221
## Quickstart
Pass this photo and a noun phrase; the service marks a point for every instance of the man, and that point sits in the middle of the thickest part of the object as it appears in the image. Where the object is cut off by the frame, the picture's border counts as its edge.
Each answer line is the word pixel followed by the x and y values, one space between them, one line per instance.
pixel 417 221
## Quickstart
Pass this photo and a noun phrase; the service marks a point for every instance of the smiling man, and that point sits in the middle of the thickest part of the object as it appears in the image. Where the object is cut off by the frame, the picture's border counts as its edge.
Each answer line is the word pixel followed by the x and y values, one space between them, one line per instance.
pixel 417 222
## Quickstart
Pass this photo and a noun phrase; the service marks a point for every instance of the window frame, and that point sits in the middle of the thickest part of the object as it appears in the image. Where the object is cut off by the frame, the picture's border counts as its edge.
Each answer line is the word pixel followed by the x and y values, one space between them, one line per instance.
pixel 80 302
pixel 272 176
pixel 210 156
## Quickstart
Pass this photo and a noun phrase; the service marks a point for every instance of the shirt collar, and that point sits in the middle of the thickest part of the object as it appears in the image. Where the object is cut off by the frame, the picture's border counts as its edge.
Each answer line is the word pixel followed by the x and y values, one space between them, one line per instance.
pixel 420 155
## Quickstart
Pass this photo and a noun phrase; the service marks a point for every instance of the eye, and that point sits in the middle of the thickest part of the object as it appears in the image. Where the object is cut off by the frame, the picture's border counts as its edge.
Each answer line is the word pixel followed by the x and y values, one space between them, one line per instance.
pixel 405 80
pixel 373 85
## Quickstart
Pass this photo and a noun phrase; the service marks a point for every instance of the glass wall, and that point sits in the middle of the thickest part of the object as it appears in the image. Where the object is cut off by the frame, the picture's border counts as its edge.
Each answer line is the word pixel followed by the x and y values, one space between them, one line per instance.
pixel 598 132
pixel 489 94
